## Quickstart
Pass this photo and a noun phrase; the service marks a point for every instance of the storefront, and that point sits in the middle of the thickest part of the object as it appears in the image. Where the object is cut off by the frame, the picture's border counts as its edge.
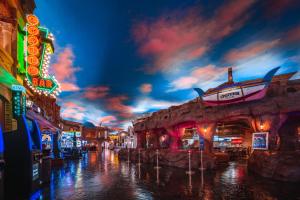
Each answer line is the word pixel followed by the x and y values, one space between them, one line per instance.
pixel 190 139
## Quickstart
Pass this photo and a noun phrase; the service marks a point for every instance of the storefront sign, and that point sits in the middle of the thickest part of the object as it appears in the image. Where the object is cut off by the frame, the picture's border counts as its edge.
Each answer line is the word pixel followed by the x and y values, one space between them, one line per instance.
pixel 18 88
pixel 232 94
pixel 260 140
pixel 201 143
pixel 19 103
pixel 37 57
pixel 72 133
pixel 35 171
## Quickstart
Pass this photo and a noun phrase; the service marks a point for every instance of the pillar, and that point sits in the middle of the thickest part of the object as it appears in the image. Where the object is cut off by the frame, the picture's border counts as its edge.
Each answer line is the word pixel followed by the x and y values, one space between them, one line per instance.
pixel 288 133
pixel 174 135
pixel 141 139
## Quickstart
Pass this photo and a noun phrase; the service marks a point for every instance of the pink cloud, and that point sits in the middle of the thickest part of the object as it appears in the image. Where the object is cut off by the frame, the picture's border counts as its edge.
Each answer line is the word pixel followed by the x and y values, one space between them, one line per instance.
pixel 72 110
pixel 107 119
pixel 117 104
pixel 198 77
pixel 250 50
pixel 64 70
pixel 93 93
pixel 184 82
pixel 146 88
pixel 175 38
pixel 72 114
pixel 73 105
pixel 259 47
pixel 69 86
pixel 293 35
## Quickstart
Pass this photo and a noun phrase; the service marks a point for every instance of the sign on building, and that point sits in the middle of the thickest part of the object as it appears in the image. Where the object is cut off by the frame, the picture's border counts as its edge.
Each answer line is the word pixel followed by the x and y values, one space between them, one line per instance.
pixel 260 140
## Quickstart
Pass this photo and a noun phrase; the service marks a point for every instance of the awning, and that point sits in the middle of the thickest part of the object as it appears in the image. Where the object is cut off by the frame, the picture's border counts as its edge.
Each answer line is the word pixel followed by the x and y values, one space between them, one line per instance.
pixel 7 79
pixel 43 123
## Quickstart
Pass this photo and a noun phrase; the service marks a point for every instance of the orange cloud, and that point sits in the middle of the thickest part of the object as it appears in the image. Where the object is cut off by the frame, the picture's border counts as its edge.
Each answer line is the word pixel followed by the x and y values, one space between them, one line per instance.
pixel 174 38
pixel 146 88
pixel 117 104
pixel 250 50
pixel 93 93
pixel 64 70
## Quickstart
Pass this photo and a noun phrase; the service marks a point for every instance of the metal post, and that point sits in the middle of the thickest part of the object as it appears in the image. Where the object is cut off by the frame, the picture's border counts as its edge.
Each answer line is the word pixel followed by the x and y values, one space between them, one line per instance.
pixel 139 155
pixel 128 152
pixel 190 165
pixel 157 175
pixel 201 161
pixel 157 152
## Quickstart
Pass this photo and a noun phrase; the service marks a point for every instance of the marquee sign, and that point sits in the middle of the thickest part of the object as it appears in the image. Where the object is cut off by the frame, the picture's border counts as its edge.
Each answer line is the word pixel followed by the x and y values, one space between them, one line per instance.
pixel 38 48
pixel 230 92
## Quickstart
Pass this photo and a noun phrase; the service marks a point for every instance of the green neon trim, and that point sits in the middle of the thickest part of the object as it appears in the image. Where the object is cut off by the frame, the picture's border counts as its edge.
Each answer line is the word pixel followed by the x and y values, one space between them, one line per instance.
pixel 7 79
pixel 20 53
pixel 44 49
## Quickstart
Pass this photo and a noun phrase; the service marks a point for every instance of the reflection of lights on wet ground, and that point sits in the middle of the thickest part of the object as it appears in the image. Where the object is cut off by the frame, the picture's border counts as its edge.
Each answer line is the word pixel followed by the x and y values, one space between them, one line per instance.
pixel 93 158
pixel 118 180
pixel 233 174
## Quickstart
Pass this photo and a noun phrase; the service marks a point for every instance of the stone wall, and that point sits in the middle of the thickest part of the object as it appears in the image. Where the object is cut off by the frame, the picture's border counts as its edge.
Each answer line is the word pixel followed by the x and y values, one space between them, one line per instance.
pixel 170 158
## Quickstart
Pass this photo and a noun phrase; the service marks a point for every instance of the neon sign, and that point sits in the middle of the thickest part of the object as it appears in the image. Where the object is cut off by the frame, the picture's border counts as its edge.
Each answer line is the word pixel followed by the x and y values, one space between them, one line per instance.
pixel 38 48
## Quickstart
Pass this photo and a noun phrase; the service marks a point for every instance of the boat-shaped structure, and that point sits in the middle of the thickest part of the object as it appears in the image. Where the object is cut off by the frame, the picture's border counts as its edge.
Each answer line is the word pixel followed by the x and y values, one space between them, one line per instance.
pixel 231 92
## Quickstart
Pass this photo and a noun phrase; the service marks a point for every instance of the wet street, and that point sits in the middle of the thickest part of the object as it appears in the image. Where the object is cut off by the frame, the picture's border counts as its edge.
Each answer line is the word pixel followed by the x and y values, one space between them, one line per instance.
pixel 105 177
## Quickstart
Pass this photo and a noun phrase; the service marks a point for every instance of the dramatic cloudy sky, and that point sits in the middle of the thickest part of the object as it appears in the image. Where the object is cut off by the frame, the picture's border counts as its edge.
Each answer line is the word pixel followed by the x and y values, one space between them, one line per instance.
pixel 118 59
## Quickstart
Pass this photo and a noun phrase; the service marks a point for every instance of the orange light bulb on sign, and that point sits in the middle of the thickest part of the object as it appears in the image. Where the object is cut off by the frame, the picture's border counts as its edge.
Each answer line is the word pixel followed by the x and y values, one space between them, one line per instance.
pixel 33 71
pixel 33 40
pixel 33 50
pixel 33 30
pixel 33 60
pixel 32 20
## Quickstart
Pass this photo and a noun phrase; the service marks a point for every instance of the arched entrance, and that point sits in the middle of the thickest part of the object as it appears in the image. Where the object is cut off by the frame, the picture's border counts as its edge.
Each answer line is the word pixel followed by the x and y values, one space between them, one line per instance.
pixel 233 137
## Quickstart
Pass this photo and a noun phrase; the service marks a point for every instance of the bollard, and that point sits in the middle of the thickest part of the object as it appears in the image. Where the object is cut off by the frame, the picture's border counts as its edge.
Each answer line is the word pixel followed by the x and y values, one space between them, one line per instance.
pixel 139 155
pixel 157 166
pixel 201 161
pixel 139 167
pixel 190 172
pixel 128 159
pixel 201 168
pixel 157 175
pixel 190 165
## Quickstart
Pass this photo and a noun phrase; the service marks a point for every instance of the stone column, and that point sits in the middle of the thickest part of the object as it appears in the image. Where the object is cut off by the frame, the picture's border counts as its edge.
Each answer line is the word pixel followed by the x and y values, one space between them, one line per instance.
pixel 174 135
pixel 141 139
pixel 289 134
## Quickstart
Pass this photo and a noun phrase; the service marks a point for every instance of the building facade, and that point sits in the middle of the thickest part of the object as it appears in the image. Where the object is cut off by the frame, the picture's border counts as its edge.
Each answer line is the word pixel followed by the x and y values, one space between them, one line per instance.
pixel 262 130
pixel 12 22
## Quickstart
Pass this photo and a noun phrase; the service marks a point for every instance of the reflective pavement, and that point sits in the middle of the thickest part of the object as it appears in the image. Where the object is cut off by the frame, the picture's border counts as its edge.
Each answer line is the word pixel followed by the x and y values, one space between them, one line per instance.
pixel 103 176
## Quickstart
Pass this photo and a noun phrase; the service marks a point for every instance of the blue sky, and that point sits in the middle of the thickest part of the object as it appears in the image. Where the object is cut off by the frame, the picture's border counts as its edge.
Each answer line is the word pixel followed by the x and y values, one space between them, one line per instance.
pixel 116 60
